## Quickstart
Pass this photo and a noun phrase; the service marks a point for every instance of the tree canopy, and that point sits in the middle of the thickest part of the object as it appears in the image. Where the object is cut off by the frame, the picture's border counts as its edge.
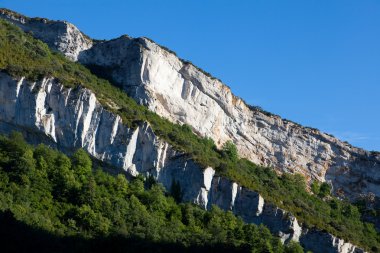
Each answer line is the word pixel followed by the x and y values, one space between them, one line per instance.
pixel 66 196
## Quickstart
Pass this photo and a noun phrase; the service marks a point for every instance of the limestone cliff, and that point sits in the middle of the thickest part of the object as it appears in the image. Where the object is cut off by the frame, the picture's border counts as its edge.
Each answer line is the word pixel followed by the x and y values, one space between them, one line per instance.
pixel 183 93
pixel 72 118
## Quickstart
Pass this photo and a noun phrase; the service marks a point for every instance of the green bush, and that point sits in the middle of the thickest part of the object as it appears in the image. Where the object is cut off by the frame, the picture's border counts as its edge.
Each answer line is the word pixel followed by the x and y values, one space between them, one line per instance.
pixel 315 187
pixel 229 150
pixel 324 190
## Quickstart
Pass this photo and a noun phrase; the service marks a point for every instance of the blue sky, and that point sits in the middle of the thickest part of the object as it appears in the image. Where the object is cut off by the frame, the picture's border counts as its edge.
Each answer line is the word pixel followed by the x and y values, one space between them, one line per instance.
pixel 316 62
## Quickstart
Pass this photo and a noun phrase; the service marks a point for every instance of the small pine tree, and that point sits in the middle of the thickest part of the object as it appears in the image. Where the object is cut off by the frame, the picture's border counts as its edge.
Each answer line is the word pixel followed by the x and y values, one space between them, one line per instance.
pixel 324 190
pixel 315 187
pixel 230 151
pixel 150 181
pixel 176 191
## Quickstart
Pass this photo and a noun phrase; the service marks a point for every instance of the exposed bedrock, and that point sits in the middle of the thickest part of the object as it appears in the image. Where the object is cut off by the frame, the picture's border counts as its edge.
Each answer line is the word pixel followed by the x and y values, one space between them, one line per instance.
pixel 181 92
pixel 73 118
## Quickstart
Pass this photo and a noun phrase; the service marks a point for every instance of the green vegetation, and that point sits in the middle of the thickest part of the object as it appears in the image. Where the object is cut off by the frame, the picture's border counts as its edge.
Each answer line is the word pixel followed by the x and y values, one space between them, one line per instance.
pixel 230 151
pixel 314 210
pixel 21 55
pixel 64 196
pixel 321 189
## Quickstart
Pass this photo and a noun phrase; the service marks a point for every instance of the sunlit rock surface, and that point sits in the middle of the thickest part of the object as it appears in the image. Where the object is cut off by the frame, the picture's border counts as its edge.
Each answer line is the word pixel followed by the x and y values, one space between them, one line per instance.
pixel 73 118
pixel 179 91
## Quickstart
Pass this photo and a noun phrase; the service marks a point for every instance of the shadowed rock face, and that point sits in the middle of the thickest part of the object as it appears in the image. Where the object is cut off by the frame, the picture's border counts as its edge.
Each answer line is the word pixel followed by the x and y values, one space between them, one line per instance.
pixel 73 118
pixel 182 93
pixel 327 243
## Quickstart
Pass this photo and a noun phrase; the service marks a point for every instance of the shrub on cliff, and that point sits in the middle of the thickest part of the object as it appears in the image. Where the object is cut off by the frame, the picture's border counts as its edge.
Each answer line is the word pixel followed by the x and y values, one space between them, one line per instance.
pixel 229 150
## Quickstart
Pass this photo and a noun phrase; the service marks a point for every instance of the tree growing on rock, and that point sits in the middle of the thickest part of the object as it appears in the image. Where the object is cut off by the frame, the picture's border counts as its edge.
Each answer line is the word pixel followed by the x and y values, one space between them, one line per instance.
pixel 229 151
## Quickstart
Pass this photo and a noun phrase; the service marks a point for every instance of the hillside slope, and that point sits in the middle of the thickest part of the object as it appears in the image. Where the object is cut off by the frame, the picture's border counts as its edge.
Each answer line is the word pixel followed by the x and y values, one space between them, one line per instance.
pixel 41 97
pixel 181 92
pixel 59 102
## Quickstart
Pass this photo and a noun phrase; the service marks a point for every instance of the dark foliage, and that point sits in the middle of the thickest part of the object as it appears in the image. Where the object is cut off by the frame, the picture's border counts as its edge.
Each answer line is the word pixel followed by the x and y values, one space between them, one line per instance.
pixel 50 202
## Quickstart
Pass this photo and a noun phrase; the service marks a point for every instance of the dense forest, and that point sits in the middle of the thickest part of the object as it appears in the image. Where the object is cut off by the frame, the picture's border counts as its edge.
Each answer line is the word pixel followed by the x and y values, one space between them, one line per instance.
pixel 22 55
pixel 66 204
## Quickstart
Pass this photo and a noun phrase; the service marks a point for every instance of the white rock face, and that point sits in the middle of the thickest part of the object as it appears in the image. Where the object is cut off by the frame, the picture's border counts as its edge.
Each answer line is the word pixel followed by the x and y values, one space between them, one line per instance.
pixel 282 221
pixel 73 118
pixel 184 94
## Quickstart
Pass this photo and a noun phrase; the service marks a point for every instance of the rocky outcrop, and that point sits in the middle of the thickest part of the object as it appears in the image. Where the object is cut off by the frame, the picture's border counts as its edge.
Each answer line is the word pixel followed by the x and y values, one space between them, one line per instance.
pixel 59 35
pixel 183 93
pixel 324 242
pixel 71 118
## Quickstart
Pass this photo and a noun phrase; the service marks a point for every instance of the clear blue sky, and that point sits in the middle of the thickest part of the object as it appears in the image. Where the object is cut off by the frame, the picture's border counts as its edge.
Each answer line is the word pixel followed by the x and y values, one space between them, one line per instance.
pixel 316 62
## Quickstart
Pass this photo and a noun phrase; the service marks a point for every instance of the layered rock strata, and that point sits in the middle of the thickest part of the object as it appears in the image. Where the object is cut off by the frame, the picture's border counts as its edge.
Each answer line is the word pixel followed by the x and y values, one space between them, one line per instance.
pixel 72 118
pixel 184 94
